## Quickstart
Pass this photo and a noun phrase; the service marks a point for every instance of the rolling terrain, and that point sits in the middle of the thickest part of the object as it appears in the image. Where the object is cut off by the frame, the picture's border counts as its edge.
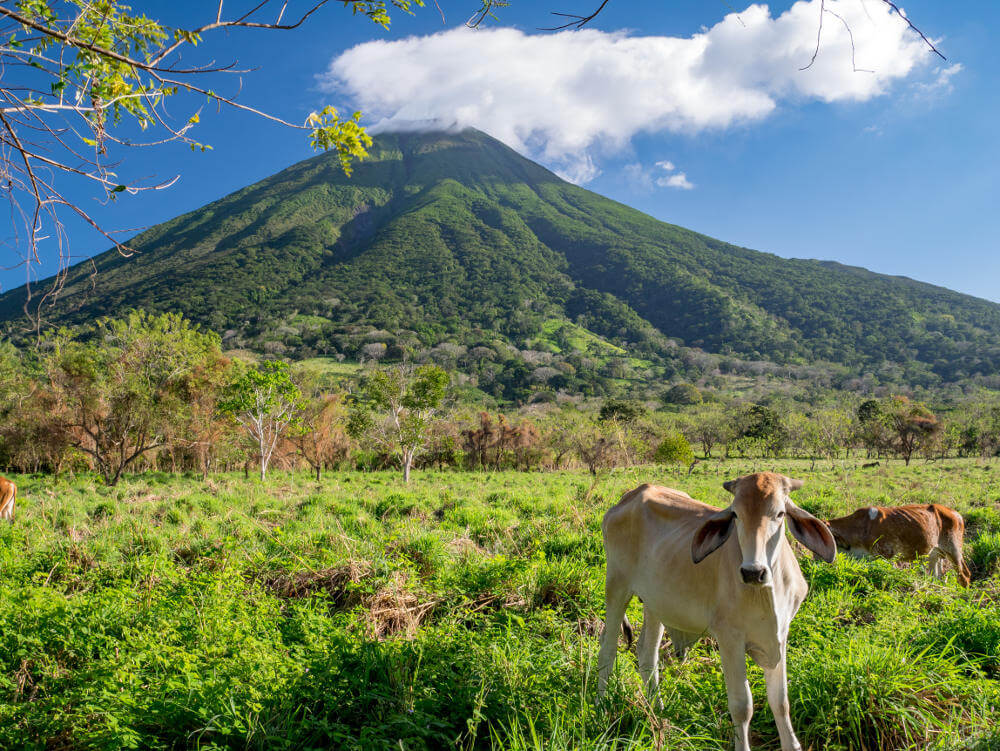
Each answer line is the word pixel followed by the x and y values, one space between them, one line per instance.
pixel 454 237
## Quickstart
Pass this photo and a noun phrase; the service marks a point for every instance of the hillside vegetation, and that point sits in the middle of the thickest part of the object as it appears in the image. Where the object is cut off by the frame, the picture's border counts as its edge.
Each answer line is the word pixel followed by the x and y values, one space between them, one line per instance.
pixel 461 611
pixel 454 238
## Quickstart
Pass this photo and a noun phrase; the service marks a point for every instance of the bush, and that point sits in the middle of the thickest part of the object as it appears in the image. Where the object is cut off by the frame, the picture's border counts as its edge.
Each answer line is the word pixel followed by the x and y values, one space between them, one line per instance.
pixel 674 449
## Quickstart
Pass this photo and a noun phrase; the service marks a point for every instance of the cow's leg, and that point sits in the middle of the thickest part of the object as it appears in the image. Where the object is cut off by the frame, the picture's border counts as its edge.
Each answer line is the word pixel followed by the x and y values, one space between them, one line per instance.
pixel 935 563
pixel 952 548
pixel 777 696
pixel 681 642
pixel 649 656
pixel 616 597
pixel 734 668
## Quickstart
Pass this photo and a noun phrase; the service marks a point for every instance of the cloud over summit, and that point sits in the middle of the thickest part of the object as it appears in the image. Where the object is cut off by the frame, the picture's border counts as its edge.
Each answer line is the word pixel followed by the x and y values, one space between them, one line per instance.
pixel 566 97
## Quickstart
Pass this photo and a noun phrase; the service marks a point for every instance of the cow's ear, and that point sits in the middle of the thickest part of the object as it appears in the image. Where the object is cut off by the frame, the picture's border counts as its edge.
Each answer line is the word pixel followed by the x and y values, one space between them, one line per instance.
pixel 711 535
pixel 791 484
pixel 811 532
pixel 730 485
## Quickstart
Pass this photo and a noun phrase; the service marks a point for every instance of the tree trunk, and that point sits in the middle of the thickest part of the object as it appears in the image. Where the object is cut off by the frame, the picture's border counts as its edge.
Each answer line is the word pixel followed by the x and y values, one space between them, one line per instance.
pixel 263 457
pixel 318 467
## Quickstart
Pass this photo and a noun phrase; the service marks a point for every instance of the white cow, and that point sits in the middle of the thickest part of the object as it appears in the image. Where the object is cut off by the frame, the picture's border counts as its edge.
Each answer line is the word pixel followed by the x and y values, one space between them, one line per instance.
pixel 745 596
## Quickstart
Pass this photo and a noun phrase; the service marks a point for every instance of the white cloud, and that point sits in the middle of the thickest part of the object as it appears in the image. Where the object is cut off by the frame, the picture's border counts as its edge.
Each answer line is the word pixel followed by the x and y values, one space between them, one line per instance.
pixel 677 180
pixel 638 177
pixel 941 83
pixel 645 180
pixel 567 97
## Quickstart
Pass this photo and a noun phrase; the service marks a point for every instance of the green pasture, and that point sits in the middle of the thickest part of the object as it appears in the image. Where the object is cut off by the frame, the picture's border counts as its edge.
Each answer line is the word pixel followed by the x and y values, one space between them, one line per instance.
pixel 461 611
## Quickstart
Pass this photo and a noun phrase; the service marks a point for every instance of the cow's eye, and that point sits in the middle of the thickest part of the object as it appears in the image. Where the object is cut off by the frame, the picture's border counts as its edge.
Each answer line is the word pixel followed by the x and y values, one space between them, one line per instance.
pixel 780 515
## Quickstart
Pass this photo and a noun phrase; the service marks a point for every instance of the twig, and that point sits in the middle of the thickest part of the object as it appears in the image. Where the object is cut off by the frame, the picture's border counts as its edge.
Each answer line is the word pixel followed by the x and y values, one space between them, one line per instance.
pixel 578 21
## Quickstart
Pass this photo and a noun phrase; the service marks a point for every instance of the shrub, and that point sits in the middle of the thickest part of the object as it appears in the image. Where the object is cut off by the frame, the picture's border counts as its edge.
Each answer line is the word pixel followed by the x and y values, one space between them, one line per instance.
pixel 674 449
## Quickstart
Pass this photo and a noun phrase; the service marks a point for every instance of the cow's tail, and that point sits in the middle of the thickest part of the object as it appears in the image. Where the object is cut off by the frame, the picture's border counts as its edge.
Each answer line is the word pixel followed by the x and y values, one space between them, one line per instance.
pixel 627 630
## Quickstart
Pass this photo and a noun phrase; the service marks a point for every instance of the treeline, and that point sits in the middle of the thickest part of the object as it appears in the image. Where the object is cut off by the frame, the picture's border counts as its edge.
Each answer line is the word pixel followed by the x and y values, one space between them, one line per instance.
pixel 154 392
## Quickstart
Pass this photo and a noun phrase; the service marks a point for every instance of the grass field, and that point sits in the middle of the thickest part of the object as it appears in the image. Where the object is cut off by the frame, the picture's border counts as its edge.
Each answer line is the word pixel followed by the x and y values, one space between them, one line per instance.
pixel 459 612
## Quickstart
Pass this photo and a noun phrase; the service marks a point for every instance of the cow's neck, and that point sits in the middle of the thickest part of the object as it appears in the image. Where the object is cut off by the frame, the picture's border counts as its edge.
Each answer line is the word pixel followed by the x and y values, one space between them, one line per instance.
pixel 766 625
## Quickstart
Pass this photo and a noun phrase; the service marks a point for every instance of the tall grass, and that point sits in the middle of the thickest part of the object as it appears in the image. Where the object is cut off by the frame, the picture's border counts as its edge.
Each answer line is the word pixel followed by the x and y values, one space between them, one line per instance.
pixel 459 612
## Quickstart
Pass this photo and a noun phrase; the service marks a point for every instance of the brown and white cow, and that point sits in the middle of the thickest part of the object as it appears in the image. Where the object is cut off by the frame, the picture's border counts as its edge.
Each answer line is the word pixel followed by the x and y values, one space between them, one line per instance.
pixel 661 545
pixel 8 492
pixel 905 532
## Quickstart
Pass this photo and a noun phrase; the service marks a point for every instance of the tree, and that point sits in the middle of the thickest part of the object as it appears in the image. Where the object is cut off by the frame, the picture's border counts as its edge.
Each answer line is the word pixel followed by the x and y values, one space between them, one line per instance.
pixel 121 388
pixel 82 76
pixel 682 393
pixel 913 425
pixel 266 403
pixel 203 431
pixel 711 427
pixel 34 436
pixel 597 452
pixel 759 430
pixel 479 441
pixel 674 449
pixel 621 410
pixel 395 408
pixel 320 435
pixel 872 427
pixel 562 433
pixel 601 445
pixel 822 433
pixel 502 443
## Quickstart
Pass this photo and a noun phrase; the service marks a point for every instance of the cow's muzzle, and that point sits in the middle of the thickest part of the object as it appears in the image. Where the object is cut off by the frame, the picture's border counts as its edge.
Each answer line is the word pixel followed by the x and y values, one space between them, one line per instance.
pixel 754 574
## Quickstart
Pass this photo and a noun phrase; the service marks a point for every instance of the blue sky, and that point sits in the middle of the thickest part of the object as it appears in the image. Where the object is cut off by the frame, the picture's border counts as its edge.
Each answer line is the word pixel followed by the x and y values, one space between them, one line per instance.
pixel 895 170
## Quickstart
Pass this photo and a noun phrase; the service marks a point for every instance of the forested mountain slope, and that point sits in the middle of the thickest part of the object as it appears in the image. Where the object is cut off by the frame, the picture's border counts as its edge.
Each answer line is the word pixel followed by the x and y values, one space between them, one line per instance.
pixel 456 237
